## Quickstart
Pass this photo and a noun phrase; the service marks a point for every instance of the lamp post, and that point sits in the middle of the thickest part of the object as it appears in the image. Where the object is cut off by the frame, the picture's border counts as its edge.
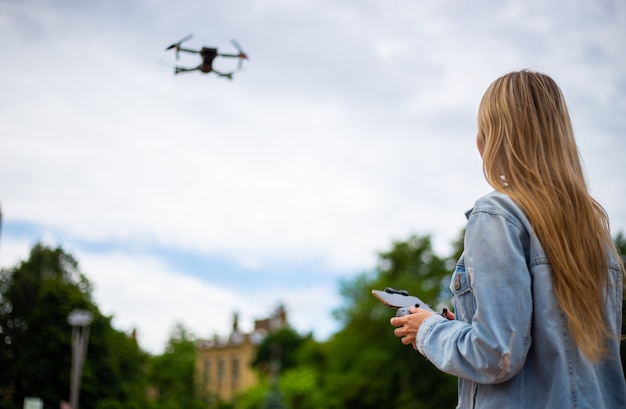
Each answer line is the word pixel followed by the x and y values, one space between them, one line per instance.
pixel 79 320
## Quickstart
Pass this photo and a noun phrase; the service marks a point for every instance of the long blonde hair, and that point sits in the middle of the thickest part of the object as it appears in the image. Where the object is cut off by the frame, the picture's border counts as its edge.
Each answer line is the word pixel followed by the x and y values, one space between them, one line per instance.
pixel 529 153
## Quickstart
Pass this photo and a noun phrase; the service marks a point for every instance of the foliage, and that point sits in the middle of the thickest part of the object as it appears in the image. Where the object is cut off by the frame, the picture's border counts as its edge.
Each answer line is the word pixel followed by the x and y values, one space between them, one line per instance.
pixel 274 399
pixel 291 364
pixel 36 297
pixel 278 350
pixel 366 344
pixel 254 397
pixel 301 388
pixel 171 374
pixel 364 365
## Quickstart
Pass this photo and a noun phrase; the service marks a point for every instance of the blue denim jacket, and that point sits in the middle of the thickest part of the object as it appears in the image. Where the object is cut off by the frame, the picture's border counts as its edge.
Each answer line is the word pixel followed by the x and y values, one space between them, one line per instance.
pixel 510 344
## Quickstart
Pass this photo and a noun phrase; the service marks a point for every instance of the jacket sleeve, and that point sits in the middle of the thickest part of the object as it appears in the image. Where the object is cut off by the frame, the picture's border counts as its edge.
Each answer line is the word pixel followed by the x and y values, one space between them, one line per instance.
pixel 489 340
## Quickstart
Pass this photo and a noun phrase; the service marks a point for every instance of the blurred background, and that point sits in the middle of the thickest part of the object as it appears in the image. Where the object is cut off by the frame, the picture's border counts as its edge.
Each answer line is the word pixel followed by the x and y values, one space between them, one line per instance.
pixel 188 198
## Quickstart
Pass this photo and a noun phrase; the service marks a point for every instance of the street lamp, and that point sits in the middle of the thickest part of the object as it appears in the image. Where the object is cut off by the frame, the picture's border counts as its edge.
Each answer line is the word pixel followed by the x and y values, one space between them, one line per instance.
pixel 79 320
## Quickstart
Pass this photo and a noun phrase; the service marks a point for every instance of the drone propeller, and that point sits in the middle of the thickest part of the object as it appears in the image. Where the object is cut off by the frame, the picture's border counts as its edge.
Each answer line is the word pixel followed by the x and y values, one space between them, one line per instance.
pixel 242 54
pixel 176 46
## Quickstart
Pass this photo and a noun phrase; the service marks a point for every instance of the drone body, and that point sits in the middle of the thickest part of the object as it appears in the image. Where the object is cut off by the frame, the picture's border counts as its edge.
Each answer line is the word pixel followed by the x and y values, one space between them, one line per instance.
pixel 208 55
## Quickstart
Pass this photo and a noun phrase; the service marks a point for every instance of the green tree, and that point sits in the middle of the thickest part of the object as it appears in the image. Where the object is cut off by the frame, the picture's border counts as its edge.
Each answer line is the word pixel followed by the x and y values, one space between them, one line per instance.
pixel 367 366
pixel 254 397
pixel 288 380
pixel 274 398
pixel 172 373
pixel 278 349
pixel 117 370
pixel 364 365
pixel 301 388
pixel 36 297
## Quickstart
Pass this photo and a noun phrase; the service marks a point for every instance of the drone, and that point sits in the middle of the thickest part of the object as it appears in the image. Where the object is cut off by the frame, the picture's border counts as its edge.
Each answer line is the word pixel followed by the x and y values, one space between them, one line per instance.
pixel 208 55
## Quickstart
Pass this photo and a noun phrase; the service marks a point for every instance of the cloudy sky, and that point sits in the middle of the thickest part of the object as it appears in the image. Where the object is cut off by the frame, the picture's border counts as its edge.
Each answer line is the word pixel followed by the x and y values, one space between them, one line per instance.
pixel 188 198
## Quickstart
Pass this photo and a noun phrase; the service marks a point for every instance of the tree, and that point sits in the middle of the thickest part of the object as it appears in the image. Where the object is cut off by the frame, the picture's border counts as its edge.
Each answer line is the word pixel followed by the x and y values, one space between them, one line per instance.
pixel 278 349
pixel 300 387
pixel 274 399
pixel 367 365
pixel 364 365
pixel 172 373
pixel 36 297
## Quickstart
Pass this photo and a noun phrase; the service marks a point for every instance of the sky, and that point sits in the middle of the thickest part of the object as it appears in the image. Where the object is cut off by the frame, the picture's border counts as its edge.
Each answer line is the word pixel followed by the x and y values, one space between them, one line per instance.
pixel 189 198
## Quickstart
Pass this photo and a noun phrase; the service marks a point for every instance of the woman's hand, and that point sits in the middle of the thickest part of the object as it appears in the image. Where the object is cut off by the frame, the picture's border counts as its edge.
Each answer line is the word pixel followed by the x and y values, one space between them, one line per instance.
pixel 448 314
pixel 408 325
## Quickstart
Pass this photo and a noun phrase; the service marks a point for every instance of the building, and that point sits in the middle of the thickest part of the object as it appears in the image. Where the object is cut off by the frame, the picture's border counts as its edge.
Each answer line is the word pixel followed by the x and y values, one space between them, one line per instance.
pixel 223 364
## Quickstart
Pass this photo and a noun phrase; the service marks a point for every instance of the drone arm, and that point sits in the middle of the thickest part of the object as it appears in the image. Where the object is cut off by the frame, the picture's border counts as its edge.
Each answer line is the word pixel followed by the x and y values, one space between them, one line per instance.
pixel 187 50
pixel 231 55
pixel 242 56
pixel 178 69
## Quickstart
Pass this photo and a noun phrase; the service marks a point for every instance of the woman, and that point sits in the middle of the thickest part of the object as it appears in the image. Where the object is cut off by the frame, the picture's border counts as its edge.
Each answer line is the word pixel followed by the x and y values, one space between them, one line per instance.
pixel 538 289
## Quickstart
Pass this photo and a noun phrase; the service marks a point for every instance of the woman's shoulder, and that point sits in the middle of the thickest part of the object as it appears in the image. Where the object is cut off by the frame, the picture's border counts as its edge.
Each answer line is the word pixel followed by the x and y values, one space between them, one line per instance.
pixel 500 204
pixel 496 201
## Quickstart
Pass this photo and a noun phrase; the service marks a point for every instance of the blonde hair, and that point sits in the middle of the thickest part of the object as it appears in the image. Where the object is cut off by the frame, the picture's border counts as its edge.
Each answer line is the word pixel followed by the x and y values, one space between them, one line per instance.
pixel 531 155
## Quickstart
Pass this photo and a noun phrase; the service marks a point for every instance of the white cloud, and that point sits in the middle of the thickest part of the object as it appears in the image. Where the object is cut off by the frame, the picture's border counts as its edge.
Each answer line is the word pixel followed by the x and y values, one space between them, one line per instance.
pixel 141 293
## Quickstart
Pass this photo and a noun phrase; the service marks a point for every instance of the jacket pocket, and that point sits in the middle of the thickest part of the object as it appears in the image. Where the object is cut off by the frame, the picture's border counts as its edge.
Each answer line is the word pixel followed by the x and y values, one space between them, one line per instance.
pixel 460 285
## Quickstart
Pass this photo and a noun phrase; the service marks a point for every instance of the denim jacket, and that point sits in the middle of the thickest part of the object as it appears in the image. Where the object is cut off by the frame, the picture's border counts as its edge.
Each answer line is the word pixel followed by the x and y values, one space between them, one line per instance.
pixel 510 344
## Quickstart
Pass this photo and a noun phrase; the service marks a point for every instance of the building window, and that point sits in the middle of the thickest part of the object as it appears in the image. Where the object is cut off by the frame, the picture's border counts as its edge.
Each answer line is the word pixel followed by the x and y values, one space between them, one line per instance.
pixel 235 370
pixel 221 369
pixel 206 371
